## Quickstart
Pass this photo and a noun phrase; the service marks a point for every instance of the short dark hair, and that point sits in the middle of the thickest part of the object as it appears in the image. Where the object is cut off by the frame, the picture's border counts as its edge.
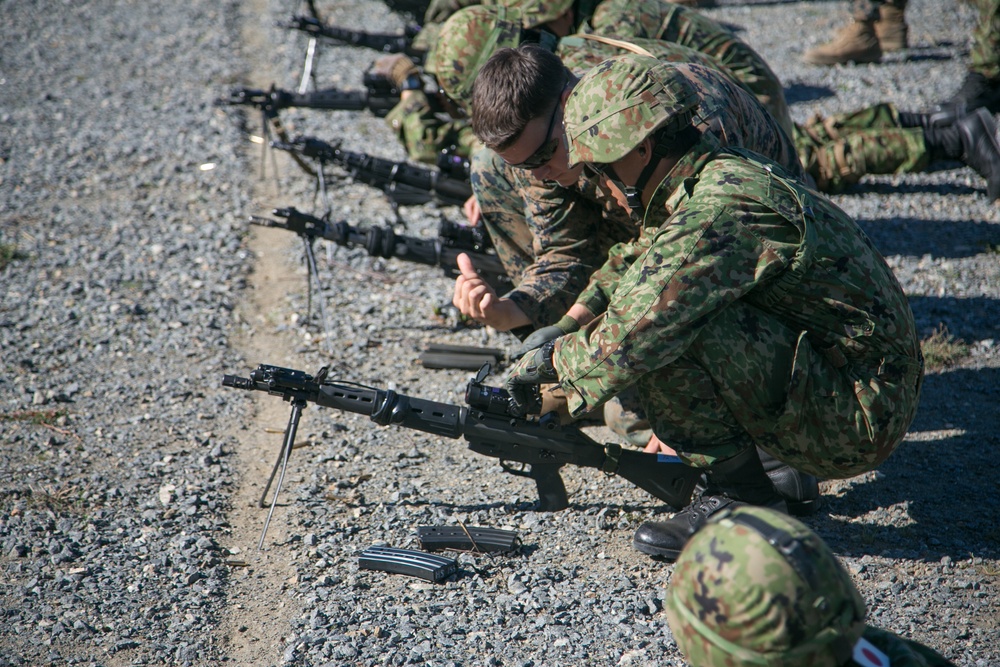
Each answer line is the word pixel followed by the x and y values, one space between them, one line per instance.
pixel 514 87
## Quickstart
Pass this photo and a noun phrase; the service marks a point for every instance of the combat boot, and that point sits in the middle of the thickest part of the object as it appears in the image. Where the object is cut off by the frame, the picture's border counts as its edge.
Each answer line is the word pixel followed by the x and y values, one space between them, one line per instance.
pixel 736 481
pixel 976 91
pixel 891 29
pixel 980 150
pixel 799 490
pixel 855 42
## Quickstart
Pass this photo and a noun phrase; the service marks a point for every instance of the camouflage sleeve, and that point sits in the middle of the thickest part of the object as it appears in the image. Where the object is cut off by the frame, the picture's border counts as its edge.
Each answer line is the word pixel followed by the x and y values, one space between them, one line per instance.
pixel 597 295
pixel 425 131
pixel 699 261
pixel 563 227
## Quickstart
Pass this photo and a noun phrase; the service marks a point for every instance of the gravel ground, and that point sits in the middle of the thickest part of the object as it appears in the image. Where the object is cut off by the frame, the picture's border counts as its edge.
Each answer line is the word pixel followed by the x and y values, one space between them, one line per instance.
pixel 126 531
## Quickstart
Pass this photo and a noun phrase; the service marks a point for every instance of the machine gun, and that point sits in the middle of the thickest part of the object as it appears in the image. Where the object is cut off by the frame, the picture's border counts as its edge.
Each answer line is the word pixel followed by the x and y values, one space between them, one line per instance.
pixel 379 97
pixel 441 251
pixel 384 42
pixel 404 183
pixel 535 448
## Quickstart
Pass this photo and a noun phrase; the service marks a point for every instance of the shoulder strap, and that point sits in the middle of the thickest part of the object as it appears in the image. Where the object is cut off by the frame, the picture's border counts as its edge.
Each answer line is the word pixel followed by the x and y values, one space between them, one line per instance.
pixel 620 43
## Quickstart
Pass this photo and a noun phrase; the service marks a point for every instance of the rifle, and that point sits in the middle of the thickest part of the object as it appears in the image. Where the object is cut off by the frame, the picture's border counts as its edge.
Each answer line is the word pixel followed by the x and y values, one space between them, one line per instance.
pixel 442 251
pixel 379 97
pixel 404 183
pixel 384 42
pixel 534 448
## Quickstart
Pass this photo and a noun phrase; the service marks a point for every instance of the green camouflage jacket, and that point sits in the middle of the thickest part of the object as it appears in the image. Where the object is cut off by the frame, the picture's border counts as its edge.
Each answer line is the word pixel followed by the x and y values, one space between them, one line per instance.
pixel 724 226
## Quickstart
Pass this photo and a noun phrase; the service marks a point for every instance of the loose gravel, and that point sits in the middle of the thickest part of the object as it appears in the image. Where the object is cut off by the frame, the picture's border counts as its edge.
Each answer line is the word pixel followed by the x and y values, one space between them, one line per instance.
pixel 135 283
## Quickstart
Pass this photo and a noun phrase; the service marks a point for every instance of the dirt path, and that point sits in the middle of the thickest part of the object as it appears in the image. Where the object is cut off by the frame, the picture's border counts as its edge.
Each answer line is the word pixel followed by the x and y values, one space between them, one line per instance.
pixel 261 607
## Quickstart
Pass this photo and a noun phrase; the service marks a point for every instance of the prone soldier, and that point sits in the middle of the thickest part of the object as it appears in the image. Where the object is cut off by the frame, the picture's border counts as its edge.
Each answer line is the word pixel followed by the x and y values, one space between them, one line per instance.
pixel 425 126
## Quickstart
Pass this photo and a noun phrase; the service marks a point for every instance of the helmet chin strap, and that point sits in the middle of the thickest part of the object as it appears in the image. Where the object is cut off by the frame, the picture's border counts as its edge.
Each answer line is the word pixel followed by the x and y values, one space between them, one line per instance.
pixel 633 194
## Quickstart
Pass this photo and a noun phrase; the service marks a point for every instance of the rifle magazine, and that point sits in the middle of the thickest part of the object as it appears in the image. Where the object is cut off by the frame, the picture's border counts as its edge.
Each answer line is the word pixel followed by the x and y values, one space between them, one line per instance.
pixel 429 567
pixel 468 538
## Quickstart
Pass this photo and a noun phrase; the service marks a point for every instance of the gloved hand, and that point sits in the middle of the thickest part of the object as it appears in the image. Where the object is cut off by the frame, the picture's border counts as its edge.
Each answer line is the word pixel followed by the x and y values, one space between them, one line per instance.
pixel 539 337
pixel 399 70
pixel 533 369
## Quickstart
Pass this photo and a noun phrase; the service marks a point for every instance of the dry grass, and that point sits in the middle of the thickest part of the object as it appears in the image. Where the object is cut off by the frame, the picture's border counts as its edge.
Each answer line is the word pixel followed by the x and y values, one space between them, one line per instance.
pixel 942 350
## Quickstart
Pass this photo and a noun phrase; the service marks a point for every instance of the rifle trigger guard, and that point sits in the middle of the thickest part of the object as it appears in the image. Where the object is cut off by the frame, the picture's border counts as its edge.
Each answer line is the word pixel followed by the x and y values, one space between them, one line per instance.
pixel 614 453
pixel 508 468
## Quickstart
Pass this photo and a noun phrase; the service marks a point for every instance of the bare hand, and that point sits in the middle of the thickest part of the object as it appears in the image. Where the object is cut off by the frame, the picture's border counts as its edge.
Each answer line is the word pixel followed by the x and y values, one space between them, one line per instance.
pixel 657 446
pixel 472 211
pixel 476 299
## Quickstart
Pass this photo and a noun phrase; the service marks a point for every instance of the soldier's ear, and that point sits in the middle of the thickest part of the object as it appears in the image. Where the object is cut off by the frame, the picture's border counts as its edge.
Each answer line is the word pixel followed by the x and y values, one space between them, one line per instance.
pixel 645 149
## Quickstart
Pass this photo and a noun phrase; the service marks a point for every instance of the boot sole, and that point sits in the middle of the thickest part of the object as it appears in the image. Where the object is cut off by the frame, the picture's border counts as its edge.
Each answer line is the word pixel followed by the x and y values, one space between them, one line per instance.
pixel 802 507
pixel 670 555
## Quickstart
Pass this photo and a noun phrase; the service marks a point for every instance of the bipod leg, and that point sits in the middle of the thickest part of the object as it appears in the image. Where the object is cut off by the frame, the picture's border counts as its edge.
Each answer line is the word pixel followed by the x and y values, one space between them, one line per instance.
pixel 298 404
pixel 310 267
pixel 321 192
pixel 308 73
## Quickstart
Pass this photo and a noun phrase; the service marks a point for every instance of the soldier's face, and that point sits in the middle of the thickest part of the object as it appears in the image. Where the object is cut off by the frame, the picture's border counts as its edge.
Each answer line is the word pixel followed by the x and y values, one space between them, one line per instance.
pixel 542 149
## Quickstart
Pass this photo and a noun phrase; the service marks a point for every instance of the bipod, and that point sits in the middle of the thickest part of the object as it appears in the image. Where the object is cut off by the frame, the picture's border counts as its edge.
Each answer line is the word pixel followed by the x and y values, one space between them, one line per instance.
pixel 313 276
pixel 298 405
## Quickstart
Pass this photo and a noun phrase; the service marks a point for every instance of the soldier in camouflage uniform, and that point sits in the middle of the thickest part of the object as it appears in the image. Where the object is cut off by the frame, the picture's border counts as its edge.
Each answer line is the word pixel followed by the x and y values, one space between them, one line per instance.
pixel 668 22
pixel 750 311
pixel 838 151
pixel 755 587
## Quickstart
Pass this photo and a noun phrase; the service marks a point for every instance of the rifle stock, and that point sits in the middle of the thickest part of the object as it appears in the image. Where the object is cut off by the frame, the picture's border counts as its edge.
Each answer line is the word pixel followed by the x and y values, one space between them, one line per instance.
pixel 441 251
pixel 489 429
pixel 402 181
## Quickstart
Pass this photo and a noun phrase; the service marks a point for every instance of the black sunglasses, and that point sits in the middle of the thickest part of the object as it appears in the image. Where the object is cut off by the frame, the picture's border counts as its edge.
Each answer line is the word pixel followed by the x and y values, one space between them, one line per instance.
pixel 548 147
pixel 596 170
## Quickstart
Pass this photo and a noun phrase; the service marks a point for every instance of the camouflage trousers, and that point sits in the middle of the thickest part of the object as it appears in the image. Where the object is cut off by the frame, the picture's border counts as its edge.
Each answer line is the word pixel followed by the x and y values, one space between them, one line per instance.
pixel 839 150
pixel 749 379
pixel 984 57
pixel 868 9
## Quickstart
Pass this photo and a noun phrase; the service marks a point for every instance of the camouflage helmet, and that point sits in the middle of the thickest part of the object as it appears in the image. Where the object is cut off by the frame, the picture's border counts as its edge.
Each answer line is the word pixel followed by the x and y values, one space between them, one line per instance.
pixel 756 587
pixel 621 102
pixel 539 12
pixel 466 41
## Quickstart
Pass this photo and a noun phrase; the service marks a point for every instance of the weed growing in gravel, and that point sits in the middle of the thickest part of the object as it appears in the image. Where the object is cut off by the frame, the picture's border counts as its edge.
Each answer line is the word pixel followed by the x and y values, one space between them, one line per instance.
pixel 941 349
pixel 36 417
pixel 8 253
pixel 68 499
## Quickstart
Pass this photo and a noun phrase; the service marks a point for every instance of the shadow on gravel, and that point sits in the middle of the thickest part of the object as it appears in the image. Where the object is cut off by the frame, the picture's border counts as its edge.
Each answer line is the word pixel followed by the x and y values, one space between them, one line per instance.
pixel 972 319
pixel 766 3
pixel 917 237
pixel 937 494
pixel 797 93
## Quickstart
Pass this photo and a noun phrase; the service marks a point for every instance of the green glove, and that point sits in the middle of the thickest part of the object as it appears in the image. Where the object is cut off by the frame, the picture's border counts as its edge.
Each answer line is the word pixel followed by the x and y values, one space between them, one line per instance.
pixel 524 377
pixel 564 326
